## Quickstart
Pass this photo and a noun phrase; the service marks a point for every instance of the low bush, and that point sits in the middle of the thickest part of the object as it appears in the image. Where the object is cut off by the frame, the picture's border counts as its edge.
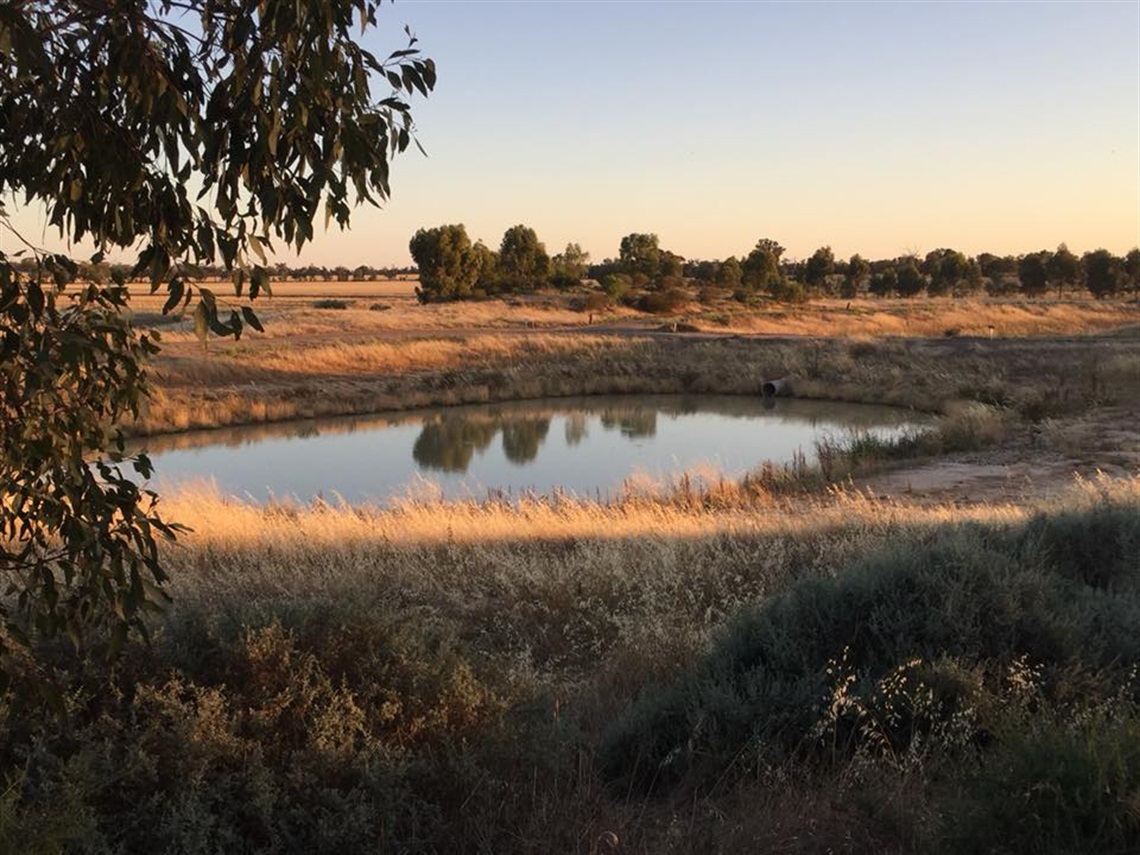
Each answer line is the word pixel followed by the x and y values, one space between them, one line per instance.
pixel 331 303
pixel 977 597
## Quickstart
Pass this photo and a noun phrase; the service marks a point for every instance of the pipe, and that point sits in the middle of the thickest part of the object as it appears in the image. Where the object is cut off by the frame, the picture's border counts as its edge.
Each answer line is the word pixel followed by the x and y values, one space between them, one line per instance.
pixel 774 388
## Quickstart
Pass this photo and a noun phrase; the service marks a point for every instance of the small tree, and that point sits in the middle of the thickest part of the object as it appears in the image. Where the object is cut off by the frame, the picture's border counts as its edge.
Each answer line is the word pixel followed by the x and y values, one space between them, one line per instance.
pixel 946 269
pixel 640 253
pixel 1032 274
pixel 761 269
pixel 819 267
pixel 523 262
pixel 1132 270
pixel 858 270
pixel 909 281
pixel 729 274
pixel 449 266
pixel 570 266
pixel 1063 268
pixel 884 284
pixel 1103 273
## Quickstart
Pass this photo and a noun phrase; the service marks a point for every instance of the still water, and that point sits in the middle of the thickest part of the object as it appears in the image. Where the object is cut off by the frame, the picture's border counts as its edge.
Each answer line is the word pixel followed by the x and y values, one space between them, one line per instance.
pixel 584 446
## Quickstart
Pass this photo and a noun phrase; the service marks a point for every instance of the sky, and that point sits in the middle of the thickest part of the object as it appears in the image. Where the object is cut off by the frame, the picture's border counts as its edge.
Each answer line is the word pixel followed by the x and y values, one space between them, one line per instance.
pixel 871 127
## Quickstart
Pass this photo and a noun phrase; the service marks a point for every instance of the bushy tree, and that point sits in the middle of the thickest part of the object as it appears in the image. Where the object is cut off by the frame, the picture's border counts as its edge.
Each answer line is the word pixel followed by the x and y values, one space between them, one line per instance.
pixel 947 268
pixel 1063 268
pixel 448 264
pixel 884 283
pixel 1103 273
pixel 640 253
pixel 523 262
pixel 730 274
pixel 1132 270
pixel 819 266
pixel 1032 274
pixel 487 263
pixel 570 266
pixel 858 270
pixel 761 269
pixel 909 281
pixel 110 113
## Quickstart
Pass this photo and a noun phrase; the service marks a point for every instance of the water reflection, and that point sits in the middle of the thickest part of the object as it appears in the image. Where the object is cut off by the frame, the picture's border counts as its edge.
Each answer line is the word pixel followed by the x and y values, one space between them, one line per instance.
pixel 467 451
pixel 448 443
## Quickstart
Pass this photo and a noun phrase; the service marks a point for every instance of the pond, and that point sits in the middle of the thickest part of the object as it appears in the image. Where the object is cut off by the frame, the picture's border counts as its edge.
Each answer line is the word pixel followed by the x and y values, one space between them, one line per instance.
pixel 585 446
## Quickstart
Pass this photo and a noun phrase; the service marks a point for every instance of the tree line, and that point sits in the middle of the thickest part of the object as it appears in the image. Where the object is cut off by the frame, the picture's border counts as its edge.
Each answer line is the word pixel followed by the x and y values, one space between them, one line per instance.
pixel 452 267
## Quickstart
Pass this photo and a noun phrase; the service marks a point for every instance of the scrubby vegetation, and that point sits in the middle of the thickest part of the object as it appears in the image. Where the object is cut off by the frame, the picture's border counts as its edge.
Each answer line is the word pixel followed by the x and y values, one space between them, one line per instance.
pixel 874 676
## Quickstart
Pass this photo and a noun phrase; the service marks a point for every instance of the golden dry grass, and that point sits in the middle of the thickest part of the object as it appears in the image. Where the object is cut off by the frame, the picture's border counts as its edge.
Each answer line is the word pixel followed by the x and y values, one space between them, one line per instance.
pixel 938 316
pixel 238 548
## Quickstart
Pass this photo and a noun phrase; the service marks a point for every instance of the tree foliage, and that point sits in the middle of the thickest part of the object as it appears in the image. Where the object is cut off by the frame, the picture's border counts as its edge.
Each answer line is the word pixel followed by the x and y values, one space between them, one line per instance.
pixel 1063 268
pixel 909 280
pixel 523 262
pixel 761 269
pixel 205 130
pixel 1032 274
pixel 198 132
pixel 449 265
pixel 570 265
pixel 819 266
pixel 858 271
pixel 1103 272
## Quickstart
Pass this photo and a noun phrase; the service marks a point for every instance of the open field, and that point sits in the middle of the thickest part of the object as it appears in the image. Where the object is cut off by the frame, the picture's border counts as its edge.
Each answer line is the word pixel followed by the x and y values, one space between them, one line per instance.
pixel 925 647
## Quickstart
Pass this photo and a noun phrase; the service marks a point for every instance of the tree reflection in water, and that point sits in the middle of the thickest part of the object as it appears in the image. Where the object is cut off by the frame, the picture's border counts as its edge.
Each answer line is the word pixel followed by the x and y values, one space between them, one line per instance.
pixel 522 437
pixel 634 423
pixel 575 428
pixel 448 443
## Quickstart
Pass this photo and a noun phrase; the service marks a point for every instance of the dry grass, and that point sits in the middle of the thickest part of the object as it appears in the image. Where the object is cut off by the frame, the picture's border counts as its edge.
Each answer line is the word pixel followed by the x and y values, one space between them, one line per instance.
pixel 938 317
pixel 290 549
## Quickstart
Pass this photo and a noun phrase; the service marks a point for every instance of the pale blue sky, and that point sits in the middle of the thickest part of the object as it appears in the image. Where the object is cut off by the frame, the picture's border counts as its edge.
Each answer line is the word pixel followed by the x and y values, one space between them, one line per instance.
pixel 872 127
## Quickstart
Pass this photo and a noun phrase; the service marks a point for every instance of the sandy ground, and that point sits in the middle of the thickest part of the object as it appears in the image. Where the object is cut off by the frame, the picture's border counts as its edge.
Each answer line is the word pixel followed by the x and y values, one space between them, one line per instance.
pixel 1039 465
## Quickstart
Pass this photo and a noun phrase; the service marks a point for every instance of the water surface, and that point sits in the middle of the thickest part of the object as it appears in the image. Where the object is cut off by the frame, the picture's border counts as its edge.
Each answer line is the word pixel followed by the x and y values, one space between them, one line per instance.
pixel 584 446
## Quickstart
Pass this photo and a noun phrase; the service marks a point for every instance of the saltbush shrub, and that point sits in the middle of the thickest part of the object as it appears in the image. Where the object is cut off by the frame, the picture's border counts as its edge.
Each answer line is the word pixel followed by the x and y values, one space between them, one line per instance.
pixel 1059 591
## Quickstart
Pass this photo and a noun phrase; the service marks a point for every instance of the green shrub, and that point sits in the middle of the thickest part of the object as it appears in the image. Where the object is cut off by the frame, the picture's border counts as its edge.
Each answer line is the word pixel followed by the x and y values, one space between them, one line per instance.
pixel 978 596
pixel 1054 786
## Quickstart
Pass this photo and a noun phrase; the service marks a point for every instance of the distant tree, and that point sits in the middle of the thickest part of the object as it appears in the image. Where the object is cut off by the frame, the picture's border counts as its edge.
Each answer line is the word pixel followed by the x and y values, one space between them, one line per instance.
pixel 885 283
pixel 616 285
pixel 640 253
pixel 1063 268
pixel 702 271
pixel 910 280
pixel 1001 271
pixel 947 268
pixel 858 271
pixel 730 274
pixel 523 262
pixel 448 266
pixel 341 273
pixel 1132 270
pixel 1032 273
pixel 487 262
pixel 1103 272
pixel 819 266
pixel 974 281
pixel 761 269
pixel 570 265
pixel 670 267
